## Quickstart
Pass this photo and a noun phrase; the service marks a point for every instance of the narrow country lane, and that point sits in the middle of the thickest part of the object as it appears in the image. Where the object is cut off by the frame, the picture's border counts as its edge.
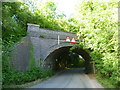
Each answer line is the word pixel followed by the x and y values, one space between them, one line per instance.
pixel 71 78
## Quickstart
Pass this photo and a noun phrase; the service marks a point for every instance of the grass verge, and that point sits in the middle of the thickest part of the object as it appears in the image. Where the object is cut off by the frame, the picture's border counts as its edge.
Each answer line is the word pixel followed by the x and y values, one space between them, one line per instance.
pixel 105 82
pixel 27 85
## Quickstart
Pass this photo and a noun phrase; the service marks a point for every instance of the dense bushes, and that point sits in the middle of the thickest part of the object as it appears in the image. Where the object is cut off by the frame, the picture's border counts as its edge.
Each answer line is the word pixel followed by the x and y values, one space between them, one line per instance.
pixel 12 30
pixel 16 77
pixel 100 32
pixel 16 15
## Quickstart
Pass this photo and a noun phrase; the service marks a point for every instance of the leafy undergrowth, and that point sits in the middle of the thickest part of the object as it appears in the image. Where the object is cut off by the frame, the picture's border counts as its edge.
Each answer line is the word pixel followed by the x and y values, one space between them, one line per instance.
pixel 106 83
pixel 16 79
pixel 27 85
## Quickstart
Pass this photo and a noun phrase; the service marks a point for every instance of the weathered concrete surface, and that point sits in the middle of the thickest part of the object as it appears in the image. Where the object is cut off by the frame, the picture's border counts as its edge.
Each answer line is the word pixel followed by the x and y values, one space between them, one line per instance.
pixel 71 78
pixel 21 54
pixel 43 46
pixel 45 42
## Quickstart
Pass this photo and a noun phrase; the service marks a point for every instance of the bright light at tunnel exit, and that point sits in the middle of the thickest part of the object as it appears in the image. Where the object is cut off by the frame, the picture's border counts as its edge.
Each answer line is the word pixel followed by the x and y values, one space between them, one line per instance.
pixel 80 56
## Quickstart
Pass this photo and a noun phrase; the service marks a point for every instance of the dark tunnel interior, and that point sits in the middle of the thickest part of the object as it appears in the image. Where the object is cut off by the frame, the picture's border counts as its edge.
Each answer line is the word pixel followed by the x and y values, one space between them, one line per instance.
pixel 64 58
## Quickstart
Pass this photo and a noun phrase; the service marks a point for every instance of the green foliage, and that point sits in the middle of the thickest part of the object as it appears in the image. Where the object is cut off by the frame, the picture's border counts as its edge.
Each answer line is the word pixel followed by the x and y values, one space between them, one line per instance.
pixel 16 77
pixel 32 62
pixel 15 17
pixel 77 46
pixel 11 76
pixel 12 31
pixel 14 20
pixel 43 35
pixel 105 82
pixel 98 29
pixel 95 24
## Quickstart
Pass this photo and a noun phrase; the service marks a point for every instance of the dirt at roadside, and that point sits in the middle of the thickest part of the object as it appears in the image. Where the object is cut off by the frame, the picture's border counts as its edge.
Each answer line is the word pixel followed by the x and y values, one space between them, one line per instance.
pixel 92 76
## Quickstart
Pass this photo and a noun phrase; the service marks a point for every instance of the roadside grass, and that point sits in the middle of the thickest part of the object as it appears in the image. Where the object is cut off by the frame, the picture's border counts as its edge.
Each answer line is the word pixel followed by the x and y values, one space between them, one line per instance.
pixel 27 85
pixel 105 82
pixel 17 79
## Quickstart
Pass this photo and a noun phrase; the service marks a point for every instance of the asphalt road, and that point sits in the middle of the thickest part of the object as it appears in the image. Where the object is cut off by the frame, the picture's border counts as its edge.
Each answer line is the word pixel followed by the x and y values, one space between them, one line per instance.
pixel 70 78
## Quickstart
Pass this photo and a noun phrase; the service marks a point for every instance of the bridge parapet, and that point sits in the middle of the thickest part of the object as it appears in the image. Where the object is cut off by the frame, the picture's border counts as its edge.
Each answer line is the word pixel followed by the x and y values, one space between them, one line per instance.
pixel 35 31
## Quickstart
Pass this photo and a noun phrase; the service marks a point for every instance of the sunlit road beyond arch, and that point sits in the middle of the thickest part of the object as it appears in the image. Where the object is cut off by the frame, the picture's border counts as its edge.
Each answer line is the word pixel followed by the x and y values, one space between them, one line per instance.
pixel 70 78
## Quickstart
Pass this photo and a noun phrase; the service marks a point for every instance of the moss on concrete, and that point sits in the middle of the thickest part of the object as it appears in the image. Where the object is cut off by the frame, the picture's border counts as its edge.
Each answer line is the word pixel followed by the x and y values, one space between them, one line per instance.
pixel 32 62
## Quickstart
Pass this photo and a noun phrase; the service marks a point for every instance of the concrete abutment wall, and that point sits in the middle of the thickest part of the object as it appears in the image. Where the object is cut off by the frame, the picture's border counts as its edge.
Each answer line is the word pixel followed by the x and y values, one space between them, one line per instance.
pixel 21 54
pixel 45 45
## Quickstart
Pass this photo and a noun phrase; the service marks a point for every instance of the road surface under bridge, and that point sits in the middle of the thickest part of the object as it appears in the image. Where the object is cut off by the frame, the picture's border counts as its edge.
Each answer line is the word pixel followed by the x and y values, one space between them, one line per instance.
pixel 70 78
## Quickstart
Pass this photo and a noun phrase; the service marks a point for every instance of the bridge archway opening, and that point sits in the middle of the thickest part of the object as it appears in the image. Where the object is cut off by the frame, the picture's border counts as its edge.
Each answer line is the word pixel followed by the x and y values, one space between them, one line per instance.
pixel 63 58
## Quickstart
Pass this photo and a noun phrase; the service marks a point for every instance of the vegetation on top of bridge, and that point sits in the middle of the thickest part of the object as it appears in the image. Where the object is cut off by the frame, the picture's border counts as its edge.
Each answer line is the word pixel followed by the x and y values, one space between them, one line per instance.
pixel 95 22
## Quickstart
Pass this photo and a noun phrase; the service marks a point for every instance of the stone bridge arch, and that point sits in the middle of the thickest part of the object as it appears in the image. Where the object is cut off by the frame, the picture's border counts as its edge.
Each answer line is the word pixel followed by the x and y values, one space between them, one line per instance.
pixel 56 47
pixel 50 60
pixel 45 42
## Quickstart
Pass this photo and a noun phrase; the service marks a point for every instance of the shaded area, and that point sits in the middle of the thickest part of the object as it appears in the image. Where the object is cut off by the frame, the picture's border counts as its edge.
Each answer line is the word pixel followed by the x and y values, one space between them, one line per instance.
pixel 86 57
pixel 63 58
